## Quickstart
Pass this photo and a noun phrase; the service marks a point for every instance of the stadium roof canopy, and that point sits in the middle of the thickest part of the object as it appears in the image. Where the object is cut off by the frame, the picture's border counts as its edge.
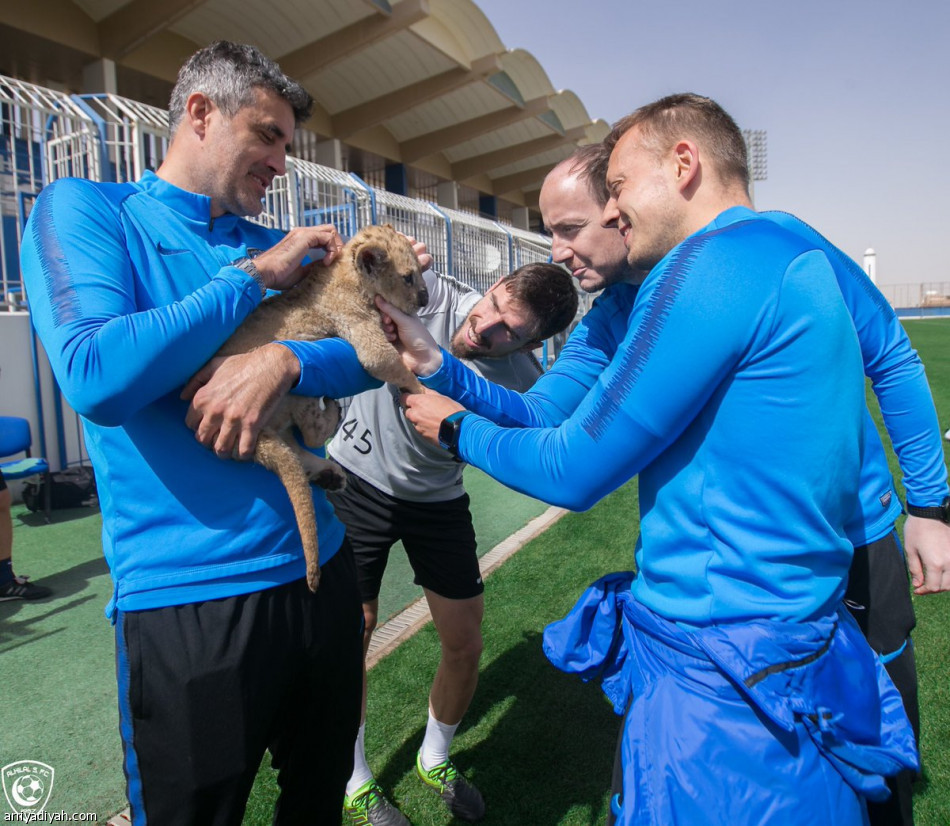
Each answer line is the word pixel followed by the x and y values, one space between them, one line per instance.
pixel 423 83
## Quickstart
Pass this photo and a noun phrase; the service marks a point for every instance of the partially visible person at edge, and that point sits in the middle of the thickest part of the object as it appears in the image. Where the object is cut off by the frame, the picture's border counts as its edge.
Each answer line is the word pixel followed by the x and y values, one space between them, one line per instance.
pixel 12 586
pixel 222 651
pixel 572 199
pixel 401 488
pixel 736 316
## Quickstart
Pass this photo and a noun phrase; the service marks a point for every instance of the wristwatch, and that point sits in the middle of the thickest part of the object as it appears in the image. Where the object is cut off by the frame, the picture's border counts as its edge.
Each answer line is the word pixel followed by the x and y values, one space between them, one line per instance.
pixel 941 511
pixel 449 431
pixel 250 268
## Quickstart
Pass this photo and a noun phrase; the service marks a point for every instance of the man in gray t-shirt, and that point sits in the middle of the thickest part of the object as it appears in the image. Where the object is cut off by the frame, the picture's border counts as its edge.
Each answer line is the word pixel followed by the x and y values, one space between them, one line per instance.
pixel 400 487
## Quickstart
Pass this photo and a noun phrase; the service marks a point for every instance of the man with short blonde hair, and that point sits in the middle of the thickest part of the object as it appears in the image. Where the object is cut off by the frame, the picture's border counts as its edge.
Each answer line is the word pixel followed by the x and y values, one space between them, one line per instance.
pixel 747 441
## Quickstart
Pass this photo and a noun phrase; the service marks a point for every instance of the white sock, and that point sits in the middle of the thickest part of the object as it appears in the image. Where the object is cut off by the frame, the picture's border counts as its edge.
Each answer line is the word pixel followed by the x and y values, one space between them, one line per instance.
pixel 361 771
pixel 435 746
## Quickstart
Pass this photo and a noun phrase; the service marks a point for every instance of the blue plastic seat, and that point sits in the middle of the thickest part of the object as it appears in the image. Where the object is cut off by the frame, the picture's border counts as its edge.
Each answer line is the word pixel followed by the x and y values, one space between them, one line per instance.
pixel 15 437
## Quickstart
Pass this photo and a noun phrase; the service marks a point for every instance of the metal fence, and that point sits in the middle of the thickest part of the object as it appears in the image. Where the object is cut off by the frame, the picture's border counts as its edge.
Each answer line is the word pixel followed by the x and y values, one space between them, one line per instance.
pixel 311 194
pixel 42 133
pixel 475 250
pixel 527 247
pixel 133 136
pixel 479 249
pixel 417 219
pixel 927 295
pixel 105 137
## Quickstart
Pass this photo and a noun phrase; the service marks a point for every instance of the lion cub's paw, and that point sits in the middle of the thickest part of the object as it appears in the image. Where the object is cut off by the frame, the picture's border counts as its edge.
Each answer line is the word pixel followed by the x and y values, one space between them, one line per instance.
pixel 332 477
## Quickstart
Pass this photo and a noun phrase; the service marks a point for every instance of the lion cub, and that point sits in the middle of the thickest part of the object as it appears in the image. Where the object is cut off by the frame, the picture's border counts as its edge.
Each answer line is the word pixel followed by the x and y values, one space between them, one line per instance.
pixel 327 302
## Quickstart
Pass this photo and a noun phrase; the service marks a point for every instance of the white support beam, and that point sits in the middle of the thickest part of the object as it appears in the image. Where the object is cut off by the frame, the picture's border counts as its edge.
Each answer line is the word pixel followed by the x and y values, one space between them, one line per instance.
pixel 99 77
pixel 447 194
pixel 379 110
pixel 330 153
pixel 521 218
pixel 442 139
pixel 484 164
pixel 130 26
pixel 310 59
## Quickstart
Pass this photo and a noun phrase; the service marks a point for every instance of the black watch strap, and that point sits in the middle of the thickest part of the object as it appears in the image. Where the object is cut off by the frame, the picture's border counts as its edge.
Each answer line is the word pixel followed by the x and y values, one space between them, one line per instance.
pixel 449 430
pixel 941 511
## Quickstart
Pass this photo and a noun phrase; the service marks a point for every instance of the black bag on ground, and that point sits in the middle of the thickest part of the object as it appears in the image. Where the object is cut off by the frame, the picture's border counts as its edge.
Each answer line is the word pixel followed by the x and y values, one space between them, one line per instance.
pixel 72 488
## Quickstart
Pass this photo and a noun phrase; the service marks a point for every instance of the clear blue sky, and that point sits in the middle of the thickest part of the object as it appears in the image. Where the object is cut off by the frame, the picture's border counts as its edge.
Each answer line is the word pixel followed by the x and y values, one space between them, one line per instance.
pixel 854 96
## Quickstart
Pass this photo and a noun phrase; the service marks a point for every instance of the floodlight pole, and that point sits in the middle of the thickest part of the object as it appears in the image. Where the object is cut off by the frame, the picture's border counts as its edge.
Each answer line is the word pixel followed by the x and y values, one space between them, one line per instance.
pixel 756 142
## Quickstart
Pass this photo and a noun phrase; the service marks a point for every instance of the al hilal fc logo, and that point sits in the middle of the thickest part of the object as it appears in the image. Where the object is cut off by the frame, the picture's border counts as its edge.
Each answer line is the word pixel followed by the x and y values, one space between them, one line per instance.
pixel 27 785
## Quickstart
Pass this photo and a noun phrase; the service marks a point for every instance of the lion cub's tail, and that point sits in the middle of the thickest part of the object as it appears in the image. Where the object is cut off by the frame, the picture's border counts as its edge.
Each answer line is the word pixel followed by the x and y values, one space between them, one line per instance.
pixel 277 456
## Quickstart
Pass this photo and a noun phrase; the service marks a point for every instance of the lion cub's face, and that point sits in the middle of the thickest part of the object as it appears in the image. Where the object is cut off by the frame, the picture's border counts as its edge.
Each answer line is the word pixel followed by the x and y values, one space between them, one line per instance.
pixel 389 267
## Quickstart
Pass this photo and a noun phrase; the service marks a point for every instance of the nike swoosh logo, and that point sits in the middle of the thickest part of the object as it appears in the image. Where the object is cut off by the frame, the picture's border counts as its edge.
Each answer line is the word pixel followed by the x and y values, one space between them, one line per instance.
pixel 163 250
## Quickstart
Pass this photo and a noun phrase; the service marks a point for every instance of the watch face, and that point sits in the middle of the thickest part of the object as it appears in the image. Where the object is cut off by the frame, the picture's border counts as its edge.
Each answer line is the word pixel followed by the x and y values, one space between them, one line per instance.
pixel 448 434
pixel 449 430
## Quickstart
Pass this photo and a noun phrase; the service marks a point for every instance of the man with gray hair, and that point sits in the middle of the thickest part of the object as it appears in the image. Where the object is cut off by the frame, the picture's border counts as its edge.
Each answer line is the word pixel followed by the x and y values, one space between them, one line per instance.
pixel 222 651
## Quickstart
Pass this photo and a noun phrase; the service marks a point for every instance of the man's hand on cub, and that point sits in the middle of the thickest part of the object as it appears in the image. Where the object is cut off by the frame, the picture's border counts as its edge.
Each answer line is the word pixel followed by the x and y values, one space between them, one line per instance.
pixel 427 410
pixel 233 397
pixel 412 340
pixel 280 265
pixel 421 251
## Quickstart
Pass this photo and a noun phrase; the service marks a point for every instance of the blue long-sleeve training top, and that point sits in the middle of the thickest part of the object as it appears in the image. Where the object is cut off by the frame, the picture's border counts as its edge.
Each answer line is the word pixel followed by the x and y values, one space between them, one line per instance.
pixel 736 394
pixel 895 370
pixel 132 290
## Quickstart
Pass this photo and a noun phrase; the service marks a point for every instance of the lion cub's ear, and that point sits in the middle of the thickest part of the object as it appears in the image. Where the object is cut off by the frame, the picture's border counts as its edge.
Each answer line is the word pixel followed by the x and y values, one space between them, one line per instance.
pixel 372 261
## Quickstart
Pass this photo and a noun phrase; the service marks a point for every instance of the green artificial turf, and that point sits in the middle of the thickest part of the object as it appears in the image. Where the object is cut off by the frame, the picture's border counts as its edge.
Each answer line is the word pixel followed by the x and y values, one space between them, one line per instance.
pixel 532 727
pixel 529 726
pixel 57 664
pixel 539 743
pixel 932 636
pixel 57 654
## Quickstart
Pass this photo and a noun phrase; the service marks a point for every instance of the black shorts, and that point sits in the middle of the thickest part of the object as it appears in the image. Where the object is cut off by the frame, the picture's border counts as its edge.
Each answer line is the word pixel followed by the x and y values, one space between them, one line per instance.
pixel 439 539
pixel 878 597
pixel 3 482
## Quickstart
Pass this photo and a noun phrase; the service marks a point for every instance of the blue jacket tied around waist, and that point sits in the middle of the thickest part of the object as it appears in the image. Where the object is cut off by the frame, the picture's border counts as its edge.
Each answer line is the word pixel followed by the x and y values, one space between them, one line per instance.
pixel 798 720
